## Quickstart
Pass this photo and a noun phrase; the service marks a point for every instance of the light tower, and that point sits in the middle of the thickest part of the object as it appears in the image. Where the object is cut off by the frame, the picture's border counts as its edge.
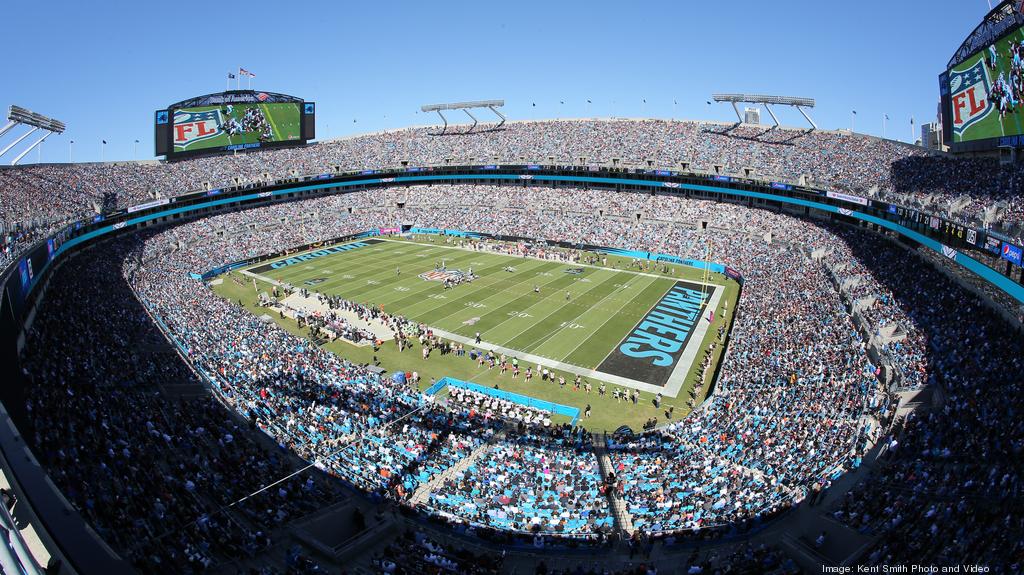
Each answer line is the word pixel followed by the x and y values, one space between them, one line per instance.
pixel 18 116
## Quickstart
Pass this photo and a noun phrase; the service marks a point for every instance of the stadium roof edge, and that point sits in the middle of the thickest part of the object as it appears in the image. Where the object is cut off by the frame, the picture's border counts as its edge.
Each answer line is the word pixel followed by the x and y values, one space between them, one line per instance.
pixel 462 105
pixel 764 99
pixel 526 121
pixel 623 119
pixel 205 99
pixel 1004 17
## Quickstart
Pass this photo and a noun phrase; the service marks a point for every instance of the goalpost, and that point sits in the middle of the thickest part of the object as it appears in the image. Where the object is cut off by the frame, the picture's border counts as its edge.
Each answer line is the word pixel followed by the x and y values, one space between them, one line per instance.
pixel 706 272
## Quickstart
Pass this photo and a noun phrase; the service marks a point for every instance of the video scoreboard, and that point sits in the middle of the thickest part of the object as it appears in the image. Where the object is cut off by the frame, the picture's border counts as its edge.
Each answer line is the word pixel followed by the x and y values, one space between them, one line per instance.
pixel 235 120
pixel 957 235
pixel 980 92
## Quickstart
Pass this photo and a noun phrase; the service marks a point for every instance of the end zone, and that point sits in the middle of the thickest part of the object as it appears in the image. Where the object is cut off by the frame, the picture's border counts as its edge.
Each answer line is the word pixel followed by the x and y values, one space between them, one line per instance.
pixel 662 346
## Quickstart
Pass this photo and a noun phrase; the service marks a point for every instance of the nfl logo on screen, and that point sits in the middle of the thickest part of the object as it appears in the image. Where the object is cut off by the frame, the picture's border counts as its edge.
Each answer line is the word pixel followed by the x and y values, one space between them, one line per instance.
pixel 192 127
pixel 969 89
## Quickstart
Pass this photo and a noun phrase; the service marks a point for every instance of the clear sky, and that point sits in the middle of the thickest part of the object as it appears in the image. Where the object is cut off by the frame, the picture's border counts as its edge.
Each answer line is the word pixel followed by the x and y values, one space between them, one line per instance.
pixel 104 67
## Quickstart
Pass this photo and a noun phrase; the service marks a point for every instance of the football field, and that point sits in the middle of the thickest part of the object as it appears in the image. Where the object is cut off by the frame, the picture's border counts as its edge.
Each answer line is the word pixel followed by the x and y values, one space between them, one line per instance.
pixel 615 324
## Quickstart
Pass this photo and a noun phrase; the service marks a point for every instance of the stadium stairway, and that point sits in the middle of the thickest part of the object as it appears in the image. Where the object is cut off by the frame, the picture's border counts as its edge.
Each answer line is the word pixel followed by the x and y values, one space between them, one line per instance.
pixel 623 520
pixel 422 494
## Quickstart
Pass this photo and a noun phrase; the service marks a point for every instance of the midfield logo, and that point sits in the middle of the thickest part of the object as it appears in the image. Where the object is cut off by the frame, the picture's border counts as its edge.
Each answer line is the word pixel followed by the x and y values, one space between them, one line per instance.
pixel 442 275
pixel 192 127
pixel 969 90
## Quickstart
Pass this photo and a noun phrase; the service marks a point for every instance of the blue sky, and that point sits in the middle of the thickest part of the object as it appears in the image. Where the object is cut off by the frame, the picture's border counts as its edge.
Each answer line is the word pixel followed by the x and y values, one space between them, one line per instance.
pixel 103 68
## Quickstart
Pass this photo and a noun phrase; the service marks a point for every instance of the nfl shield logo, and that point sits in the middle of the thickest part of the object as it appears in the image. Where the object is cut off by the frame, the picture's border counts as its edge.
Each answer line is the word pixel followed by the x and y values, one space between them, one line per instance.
pixel 441 275
pixel 969 90
pixel 191 127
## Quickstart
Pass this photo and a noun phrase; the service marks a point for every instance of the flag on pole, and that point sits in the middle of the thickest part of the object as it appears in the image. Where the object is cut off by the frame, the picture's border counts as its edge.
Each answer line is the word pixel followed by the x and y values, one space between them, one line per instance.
pixel 887 116
pixel 231 76
pixel 246 72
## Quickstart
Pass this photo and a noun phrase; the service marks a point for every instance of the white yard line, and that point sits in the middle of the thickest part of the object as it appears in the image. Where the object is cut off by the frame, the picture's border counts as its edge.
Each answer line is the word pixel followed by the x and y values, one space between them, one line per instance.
pixel 568 263
pixel 675 381
pixel 550 363
pixel 501 292
pixel 543 300
pixel 584 312
pixel 377 262
pixel 608 319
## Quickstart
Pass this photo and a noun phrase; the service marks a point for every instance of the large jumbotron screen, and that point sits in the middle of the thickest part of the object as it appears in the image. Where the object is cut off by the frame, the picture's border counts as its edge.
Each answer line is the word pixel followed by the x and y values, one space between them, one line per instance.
pixel 235 124
pixel 986 92
pixel 234 120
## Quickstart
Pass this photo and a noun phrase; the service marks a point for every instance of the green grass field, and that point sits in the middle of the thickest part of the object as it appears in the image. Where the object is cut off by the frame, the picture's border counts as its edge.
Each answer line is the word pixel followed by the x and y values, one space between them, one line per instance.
pixel 284 121
pixel 604 305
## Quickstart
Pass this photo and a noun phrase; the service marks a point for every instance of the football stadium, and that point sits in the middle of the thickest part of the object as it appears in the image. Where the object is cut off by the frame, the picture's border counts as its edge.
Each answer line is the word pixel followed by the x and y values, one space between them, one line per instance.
pixel 490 340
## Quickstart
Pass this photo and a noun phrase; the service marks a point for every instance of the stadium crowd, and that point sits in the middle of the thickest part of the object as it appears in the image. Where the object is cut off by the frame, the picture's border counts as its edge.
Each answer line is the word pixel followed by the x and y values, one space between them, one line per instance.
pixel 414 553
pixel 835 372
pixel 948 485
pixel 489 406
pixel 797 399
pixel 48 196
pixel 149 472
